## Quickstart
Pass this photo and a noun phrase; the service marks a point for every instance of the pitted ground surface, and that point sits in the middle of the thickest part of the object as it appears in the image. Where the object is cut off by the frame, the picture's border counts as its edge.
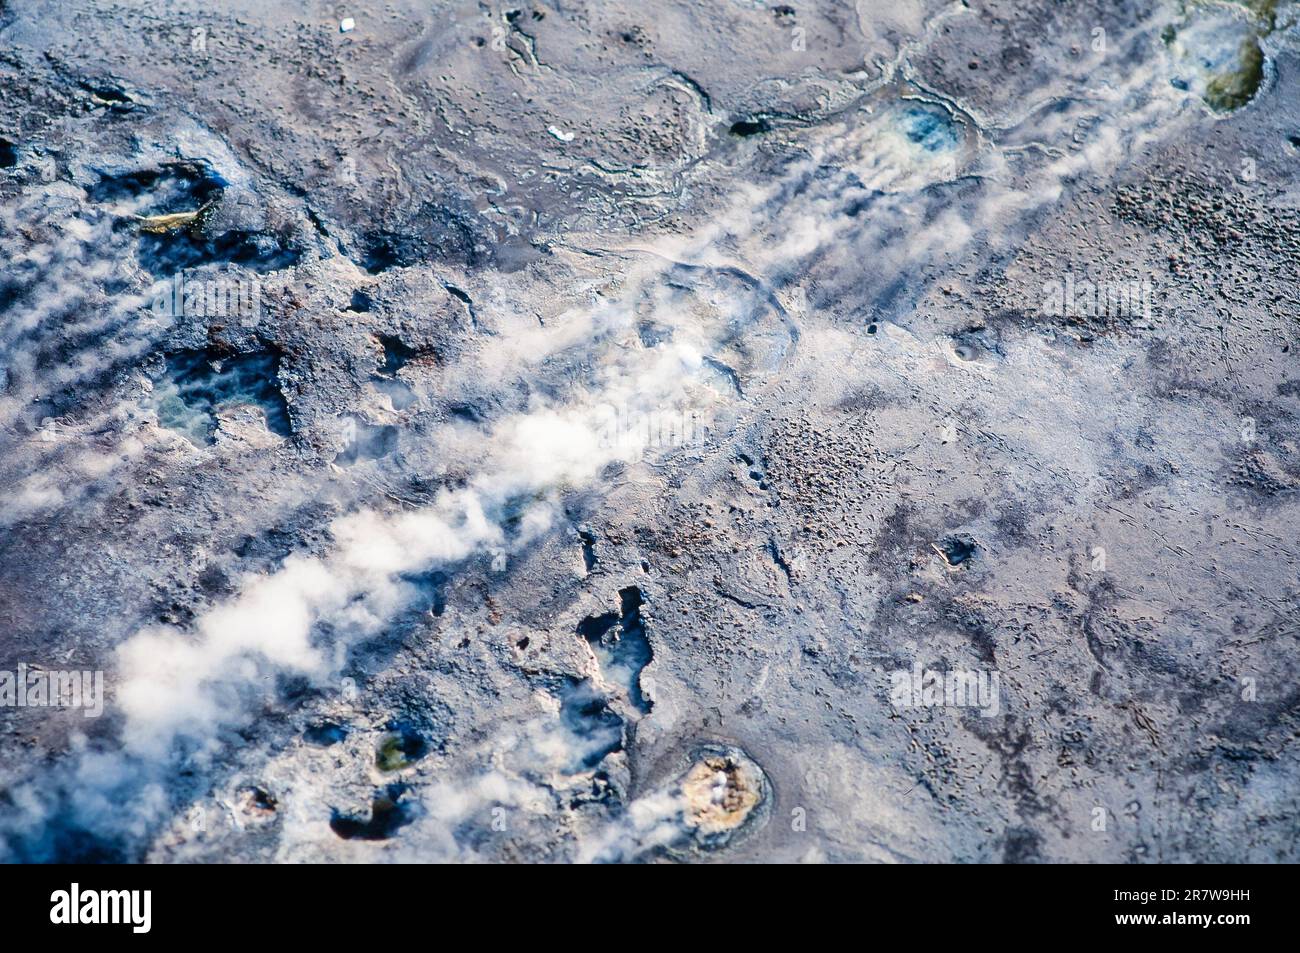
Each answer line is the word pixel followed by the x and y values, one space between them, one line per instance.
pixel 897 455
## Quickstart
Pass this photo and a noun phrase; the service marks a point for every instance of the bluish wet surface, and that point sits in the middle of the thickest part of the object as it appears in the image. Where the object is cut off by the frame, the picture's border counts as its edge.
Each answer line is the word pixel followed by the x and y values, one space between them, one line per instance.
pixel 325 734
pixel 389 811
pixel 595 730
pixel 197 384
pixel 930 127
pixel 367 442
pixel 619 642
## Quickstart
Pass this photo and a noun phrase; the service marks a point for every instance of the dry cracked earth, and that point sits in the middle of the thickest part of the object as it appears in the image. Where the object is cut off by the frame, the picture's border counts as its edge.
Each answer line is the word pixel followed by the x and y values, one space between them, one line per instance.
pixel 675 431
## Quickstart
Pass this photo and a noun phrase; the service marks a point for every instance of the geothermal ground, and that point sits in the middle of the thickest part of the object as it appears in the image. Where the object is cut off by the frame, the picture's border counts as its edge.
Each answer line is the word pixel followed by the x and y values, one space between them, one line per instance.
pixel 664 431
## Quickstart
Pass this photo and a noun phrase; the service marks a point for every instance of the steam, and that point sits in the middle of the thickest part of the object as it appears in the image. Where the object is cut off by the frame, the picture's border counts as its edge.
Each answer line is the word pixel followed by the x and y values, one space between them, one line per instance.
pixel 178 685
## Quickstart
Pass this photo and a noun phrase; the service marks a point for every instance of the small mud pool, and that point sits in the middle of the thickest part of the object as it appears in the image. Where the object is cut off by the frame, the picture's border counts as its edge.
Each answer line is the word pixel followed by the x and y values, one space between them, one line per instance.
pixel 389 812
pixel 722 794
pixel 1216 53
pixel 400 747
pixel 618 640
pixel 198 385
